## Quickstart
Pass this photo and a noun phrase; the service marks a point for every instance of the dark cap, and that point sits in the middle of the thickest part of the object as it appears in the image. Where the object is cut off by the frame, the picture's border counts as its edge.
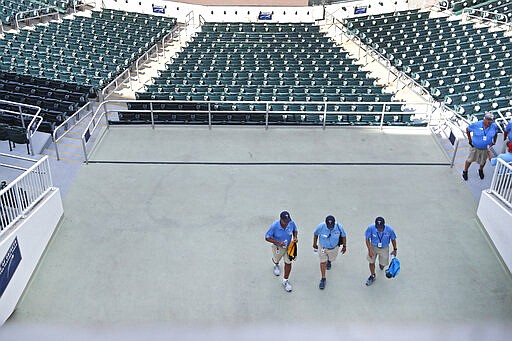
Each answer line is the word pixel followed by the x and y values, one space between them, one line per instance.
pixel 329 221
pixel 379 222
pixel 285 216
pixel 489 117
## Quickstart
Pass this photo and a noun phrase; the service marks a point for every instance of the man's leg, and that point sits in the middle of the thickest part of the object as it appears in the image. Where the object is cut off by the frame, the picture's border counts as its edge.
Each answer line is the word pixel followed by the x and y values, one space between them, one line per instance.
pixel 465 171
pixel 372 268
pixel 481 170
pixel 323 267
pixel 287 270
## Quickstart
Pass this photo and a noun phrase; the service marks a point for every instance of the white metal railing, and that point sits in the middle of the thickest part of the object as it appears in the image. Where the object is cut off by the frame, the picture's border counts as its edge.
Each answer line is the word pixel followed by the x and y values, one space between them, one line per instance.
pixel 77 4
pixel 485 16
pixel 109 89
pixel 35 14
pixel 501 184
pixel 154 51
pixel 71 122
pixel 102 112
pixel 451 126
pixel 22 194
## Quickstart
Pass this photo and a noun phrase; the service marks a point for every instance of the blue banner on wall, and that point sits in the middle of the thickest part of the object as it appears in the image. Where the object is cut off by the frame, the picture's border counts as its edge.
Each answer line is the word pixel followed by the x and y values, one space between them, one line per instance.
pixel 360 9
pixel 265 16
pixel 159 9
pixel 9 265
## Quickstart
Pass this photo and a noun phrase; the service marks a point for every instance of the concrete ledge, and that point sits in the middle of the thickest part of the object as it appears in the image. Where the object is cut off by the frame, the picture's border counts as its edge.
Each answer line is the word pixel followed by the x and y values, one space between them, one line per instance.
pixel 497 220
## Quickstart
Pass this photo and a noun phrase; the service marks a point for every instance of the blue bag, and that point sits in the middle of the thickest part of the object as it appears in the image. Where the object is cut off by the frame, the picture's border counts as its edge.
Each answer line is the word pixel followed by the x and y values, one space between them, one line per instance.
pixel 394 268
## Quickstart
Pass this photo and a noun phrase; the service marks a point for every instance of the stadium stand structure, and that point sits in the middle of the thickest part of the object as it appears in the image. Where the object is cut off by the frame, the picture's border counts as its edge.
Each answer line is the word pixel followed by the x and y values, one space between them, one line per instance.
pixel 467 67
pixel 242 72
pixel 60 65
pixel 497 7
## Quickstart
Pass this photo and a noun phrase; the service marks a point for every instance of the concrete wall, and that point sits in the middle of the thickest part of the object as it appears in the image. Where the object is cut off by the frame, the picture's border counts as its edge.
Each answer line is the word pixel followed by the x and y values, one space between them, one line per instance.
pixel 497 220
pixel 30 236
pixel 246 13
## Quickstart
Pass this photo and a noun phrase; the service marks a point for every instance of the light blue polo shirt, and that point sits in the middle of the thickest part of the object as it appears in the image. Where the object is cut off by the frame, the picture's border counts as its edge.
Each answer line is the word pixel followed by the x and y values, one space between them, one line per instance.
pixel 282 235
pixel 508 129
pixel 507 157
pixel 383 238
pixel 329 238
pixel 482 137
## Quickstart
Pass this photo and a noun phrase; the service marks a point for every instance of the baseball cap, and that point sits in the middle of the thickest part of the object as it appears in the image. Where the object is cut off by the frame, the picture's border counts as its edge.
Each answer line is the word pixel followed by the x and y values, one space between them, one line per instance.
pixel 330 221
pixel 489 117
pixel 285 216
pixel 379 222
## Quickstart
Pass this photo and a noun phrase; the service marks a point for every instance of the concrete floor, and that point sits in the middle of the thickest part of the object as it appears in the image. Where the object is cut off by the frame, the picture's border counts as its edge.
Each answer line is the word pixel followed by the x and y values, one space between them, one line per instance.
pixel 173 234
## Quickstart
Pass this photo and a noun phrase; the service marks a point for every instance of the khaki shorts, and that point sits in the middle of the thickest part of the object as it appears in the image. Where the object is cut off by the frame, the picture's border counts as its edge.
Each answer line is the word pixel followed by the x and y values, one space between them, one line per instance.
pixel 278 253
pixel 326 254
pixel 382 252
pixel 478 155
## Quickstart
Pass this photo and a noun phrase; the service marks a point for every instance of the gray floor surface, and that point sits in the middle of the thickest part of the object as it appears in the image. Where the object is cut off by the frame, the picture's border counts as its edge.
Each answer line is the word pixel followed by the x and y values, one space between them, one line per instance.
pixel 173 233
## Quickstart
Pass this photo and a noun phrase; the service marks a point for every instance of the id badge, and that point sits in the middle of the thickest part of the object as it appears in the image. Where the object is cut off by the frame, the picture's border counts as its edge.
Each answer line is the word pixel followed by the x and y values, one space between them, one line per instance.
pixel 485 138
pixel 323 250
pixel 379 245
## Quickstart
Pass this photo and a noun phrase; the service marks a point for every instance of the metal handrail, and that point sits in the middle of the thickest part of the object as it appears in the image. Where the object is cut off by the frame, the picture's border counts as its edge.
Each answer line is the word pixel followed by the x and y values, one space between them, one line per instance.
pixel 102 112
pixel 38 12
pixel 77 120
pixel 125 76
pixel 154 49
pixel 35 122
pixel 352 35
pixel 84 3
pixel 482 15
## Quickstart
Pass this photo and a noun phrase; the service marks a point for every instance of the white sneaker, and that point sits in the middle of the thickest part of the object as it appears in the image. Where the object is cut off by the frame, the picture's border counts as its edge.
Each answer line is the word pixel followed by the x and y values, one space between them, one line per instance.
pixel 287 286
pixel 277 271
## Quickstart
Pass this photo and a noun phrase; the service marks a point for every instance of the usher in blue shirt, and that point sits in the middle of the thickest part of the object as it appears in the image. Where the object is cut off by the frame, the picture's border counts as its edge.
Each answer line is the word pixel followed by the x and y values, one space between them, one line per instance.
pixel 482 137
pixel 377 237
pixel 329 238
pixel 282 235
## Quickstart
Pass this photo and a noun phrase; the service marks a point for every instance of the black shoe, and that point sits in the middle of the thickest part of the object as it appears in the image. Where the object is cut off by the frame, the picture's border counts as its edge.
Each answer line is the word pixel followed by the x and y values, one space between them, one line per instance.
pixel 465 175
pixel 370 280
pixel 328 265
pixel 481 173
pixel 322 284
pixel 381 266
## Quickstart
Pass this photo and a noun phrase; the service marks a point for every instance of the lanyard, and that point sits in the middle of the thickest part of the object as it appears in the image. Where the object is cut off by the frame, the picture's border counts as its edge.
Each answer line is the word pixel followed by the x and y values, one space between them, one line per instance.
pixel 381 235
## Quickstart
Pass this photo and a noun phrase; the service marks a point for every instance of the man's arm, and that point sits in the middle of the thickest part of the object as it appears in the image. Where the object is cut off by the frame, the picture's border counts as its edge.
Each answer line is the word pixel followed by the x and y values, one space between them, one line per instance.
pixel 273 241
pixel 344 243
pixel 315 242
pixel 469 137
pixel 295 233
pixel 369 247
pixel 394 247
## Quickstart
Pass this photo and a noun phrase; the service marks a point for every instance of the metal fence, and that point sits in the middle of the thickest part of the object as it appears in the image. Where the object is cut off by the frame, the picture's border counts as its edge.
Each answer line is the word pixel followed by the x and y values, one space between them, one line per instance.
pixel 22 194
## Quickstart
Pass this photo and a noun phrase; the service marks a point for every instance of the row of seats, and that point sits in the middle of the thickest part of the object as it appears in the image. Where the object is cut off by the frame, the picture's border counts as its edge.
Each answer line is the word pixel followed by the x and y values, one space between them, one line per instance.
pixel 440 59
pixel 285 64
pixel 85 51
pixel 13 134
pixel 25 9
pixel 57 100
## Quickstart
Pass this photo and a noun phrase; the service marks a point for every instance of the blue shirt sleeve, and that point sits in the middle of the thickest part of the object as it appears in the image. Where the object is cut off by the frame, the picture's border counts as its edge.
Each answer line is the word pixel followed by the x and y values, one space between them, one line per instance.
pixel 393 235
pixel 343 234
pixel 270 232
pixel 368 233
pixel 472 126
pixel 508 129
pixel 317 230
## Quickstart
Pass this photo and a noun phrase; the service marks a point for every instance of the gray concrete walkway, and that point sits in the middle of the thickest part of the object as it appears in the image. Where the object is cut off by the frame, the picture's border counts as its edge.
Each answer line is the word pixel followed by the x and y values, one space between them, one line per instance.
pixel 179 239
